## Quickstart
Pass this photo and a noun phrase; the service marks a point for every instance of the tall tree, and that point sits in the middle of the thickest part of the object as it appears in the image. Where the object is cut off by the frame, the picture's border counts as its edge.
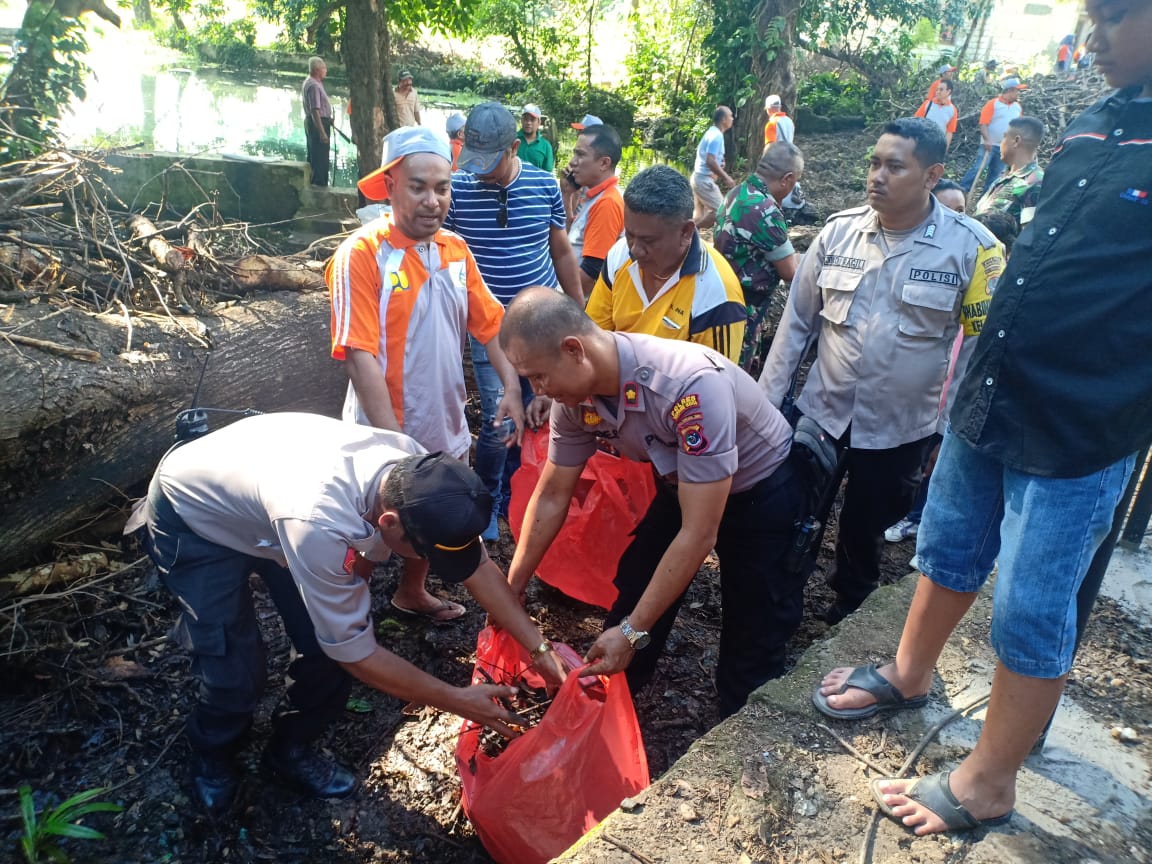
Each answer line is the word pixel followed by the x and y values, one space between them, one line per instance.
pixel 751 44
pixel 364 30
pixel 47 72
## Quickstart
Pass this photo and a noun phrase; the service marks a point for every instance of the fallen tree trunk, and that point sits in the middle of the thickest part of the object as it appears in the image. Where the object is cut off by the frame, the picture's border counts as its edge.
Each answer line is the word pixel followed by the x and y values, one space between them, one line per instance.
pixel 75 436
pixel 275 274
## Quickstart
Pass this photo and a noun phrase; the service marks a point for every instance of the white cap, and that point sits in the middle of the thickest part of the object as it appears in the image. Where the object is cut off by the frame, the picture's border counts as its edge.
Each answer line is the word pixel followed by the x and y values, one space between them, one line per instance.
pixel 774 99
pixel 534 110
pixel 586 121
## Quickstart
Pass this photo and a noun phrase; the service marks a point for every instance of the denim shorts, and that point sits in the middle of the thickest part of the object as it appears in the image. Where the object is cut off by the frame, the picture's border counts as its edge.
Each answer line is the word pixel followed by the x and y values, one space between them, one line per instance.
pixel 1043 530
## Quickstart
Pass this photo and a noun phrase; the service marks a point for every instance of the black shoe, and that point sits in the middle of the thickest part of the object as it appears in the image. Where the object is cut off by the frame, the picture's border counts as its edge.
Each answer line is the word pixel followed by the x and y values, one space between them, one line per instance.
pixel 309 772
pixel 215 781
pixel 837 611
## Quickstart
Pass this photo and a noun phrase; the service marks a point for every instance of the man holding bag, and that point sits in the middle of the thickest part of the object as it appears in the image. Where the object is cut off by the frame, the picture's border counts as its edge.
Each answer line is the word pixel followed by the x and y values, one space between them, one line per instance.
pixel 720 452
pixel 309 503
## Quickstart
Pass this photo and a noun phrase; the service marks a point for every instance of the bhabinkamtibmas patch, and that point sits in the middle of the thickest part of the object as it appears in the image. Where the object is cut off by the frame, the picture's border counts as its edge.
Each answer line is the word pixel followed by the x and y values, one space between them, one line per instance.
pixel 978 296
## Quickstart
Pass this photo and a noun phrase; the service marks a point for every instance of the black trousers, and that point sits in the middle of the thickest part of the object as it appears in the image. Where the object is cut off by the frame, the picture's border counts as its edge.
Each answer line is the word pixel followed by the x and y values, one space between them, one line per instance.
pixel 881 489
pixel 218 627
pixel 319 152
pixel 761 607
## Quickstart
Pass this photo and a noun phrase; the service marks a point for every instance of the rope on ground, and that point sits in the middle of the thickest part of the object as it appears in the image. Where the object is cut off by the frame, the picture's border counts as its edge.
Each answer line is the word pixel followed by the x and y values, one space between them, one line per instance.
pixel 860 756
pixel 865 855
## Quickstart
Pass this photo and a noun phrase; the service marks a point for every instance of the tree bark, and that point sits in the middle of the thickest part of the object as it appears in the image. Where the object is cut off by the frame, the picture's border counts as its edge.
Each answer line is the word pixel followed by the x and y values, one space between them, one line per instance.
pixel 772 67
pixel 384 49
pixel 77 436
pixel 362 61
pixel 142 12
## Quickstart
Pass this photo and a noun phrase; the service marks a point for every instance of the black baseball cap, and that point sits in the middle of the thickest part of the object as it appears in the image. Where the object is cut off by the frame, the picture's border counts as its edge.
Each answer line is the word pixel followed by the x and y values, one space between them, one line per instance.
pixel 443 506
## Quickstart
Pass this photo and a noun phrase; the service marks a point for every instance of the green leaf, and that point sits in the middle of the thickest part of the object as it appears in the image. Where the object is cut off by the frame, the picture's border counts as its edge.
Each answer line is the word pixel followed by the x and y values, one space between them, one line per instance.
pixel 80 832
pixel 359 706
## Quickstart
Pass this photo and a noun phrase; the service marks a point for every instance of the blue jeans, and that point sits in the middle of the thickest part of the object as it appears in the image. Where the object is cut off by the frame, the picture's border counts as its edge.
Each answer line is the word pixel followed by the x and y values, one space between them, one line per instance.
pixel 218 627
pixel 995 169
pixel 1043 530
pixel 917 511
pixel 495 463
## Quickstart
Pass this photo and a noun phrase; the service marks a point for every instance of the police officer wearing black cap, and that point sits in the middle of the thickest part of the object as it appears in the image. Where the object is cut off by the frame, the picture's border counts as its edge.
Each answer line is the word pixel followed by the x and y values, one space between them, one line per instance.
pixel 309 503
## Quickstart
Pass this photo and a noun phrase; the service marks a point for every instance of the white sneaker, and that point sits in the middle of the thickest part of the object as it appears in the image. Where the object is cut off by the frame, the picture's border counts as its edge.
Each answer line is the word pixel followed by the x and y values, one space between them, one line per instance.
pixel 902 530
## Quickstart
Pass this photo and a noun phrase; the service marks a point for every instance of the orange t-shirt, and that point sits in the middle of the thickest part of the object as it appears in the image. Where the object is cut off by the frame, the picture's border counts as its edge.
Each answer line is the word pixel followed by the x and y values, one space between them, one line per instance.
pixel 605 220
pixel 408 303
pixel 944 115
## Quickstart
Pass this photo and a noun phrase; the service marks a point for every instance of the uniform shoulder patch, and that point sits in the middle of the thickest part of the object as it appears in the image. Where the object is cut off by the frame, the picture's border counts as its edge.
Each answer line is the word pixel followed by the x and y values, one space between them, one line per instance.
pixel 849 213
pixel 683 405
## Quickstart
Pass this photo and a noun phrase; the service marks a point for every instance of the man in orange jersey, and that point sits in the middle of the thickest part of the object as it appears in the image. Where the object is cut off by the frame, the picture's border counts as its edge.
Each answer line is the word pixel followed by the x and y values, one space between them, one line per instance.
pixel 946 73
pixel 994 119
pixel 940 110
pixel 403 291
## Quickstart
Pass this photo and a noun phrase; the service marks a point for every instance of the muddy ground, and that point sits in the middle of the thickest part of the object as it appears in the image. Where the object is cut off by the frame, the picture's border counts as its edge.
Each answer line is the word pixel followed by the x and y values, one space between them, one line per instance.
pixel 100 700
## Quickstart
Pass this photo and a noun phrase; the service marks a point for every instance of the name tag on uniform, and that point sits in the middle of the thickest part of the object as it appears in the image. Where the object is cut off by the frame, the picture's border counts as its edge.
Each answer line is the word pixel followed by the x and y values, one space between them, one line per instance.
pixel 668 322
pixel 940 277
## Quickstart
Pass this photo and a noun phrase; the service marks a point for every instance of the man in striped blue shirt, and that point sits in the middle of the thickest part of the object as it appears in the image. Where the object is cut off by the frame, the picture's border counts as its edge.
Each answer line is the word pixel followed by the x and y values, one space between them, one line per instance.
pixel 511 216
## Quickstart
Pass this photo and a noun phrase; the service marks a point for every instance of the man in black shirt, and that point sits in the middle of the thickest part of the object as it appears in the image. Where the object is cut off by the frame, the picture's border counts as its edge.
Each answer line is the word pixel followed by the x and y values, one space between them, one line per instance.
pixel 1056 400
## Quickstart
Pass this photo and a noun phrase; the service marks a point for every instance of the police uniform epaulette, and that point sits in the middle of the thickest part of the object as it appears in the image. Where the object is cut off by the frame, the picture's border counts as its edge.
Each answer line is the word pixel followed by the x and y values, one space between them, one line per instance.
pixel 984 237
pixel 850 212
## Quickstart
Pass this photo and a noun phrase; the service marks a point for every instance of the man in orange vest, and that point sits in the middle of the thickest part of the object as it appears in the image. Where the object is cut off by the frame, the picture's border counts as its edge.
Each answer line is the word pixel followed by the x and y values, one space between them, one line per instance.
pixel 779 126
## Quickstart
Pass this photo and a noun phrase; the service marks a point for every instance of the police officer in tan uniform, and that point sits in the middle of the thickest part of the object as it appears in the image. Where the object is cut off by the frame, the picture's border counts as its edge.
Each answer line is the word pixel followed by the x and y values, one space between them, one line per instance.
pixel 883 292
pixel 720 452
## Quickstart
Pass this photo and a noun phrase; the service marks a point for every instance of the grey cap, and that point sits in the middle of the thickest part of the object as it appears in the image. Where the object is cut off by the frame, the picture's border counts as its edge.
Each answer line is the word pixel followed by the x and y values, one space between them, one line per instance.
pixel 455 122
pixel 490 131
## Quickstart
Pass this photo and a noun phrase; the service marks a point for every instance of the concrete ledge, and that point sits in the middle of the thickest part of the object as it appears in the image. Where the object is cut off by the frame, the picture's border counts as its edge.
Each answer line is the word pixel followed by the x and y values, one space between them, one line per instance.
pixel 771 785
pixel 254 191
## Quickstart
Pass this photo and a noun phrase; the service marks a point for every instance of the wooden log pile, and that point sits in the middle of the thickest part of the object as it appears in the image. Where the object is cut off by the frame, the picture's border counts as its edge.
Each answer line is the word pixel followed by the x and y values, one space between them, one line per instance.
pixel 109 323
pixel 58 232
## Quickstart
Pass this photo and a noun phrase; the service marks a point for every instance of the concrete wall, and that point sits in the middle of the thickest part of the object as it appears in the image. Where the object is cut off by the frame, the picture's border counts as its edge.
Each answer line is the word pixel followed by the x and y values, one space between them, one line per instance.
pixel 253 191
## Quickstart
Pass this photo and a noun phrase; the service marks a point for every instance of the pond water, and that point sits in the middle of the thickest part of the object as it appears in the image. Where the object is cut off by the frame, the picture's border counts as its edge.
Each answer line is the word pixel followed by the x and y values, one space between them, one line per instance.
pixel 150 100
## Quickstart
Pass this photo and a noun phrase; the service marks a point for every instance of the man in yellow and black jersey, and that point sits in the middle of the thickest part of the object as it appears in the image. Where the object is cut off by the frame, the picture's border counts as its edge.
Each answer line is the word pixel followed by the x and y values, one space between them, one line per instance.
pixel 661 279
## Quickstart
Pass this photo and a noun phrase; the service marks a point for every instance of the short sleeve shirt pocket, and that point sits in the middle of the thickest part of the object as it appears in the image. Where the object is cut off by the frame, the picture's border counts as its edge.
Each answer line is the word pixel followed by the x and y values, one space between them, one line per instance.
pixel 837 292
pixel 927 310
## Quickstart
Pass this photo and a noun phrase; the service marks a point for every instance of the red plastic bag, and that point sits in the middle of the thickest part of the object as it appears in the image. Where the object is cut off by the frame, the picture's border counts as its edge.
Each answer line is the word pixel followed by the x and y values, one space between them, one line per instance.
pixel 559 779
pixel 611 497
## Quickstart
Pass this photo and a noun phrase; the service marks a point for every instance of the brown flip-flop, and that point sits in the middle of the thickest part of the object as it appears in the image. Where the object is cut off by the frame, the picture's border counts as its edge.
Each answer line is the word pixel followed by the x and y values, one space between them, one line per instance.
pixel 445 613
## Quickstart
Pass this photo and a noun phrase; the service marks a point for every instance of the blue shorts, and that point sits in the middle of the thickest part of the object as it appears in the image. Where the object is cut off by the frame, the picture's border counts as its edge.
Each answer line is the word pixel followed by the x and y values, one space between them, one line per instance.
pixel 1043 530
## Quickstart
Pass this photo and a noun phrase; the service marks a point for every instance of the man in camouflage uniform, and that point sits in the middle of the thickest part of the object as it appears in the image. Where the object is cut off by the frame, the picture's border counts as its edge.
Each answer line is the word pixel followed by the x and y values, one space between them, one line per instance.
pixel 752 235
pixel 1017 191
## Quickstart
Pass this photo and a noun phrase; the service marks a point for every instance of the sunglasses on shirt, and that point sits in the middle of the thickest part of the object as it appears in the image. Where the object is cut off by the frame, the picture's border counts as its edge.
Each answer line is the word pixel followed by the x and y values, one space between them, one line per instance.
pixel 502 213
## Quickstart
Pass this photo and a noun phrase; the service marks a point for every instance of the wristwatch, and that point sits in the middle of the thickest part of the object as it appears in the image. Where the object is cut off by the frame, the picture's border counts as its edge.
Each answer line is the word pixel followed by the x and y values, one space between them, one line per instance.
pixel 539 651
pixel 636 638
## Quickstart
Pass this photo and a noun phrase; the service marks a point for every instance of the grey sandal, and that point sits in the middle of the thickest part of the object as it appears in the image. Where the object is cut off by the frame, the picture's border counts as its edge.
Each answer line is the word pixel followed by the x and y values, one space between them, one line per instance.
pixel 866 678
pixel 934 793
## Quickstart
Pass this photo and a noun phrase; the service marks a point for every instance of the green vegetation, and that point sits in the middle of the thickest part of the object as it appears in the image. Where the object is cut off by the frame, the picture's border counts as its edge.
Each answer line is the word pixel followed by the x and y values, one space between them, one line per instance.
pixel 684 56
pixel 47 73
pixel 38 843
pixel 832 94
